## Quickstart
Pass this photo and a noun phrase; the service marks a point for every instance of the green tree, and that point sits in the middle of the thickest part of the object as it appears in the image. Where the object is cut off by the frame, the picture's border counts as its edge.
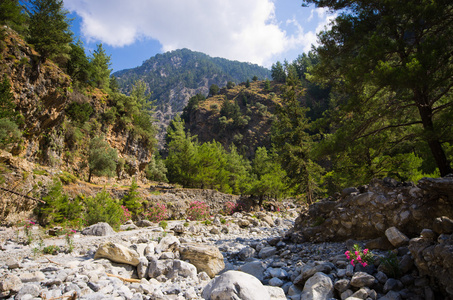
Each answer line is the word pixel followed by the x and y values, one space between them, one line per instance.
pixel 269 177
pixel 156 170
pixel 11 15
pixel 214 89
pixel 78 65
pixel 99 68
pixel 292 139
pixel 132 200
pixel 278 72
pixel 102 159
pixel 181 149
pixel 9 130
pixel 238 169
pixel 49 28
pixel 396 54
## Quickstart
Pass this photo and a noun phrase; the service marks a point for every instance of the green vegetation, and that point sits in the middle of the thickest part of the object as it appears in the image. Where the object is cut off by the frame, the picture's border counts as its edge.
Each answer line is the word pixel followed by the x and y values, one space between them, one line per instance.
pixel 132 201
pixel 101 158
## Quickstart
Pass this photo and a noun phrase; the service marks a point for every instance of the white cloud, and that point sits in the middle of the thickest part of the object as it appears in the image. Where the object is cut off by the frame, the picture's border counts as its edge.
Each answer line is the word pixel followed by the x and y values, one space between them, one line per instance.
pixel 244 30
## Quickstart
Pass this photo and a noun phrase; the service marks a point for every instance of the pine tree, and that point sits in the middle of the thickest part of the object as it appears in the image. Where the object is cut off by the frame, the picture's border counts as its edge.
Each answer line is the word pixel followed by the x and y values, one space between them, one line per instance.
pixel 49 28
pixel 132 200
pixel 99 68
pixel 102 159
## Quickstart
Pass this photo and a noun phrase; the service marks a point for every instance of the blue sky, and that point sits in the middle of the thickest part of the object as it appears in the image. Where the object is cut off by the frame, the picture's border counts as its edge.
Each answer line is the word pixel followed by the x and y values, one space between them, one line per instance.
pixel 256 31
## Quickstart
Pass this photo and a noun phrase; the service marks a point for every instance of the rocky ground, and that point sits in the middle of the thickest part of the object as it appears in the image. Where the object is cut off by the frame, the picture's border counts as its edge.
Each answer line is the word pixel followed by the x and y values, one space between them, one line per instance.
pixel 180 262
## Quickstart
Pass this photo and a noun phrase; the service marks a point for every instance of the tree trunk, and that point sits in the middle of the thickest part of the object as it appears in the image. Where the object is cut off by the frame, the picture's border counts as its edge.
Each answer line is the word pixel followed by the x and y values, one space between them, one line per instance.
pixel 426 114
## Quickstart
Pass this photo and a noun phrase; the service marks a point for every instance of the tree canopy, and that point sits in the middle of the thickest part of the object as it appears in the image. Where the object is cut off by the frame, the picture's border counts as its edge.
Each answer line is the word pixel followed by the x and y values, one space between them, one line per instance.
pixel 390 63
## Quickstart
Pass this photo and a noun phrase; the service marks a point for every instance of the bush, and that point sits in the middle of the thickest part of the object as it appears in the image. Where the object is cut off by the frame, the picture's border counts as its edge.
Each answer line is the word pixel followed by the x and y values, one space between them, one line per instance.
pixel 198 211
pixel 103 208
pixel 79 112
pixel 132 200
pixel 157 213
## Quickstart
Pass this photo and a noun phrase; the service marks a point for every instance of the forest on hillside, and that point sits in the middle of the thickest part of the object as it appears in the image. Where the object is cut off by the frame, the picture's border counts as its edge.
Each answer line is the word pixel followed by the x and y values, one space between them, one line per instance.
pixel 374 99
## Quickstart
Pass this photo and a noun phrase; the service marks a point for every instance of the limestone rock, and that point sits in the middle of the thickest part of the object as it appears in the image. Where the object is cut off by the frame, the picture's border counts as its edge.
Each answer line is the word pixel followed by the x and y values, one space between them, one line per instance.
pixel 255 268
pixel 144 223
pixel 168 243
pixel 276 293
pixel 117 253
pixel 235 285
pixel 361 279
pixel 99 229
pixel 396 237
pixel 205 258
pixel 318 287
pixel 10 284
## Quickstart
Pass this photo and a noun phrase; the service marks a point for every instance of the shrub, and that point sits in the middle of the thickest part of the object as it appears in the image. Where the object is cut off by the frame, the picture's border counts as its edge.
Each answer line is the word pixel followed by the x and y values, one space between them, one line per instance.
pixel 232 207
pixel 132 201
pixel 198 211
pixel 79 112
pixel 163 224
pixel 103 208
pixel 157 213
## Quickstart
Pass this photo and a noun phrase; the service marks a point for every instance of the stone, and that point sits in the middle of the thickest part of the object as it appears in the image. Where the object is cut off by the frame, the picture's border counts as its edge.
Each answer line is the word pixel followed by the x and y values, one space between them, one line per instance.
pixel 235 285
pixel 319 286
pixel 277 272
pixel 178 228
pixel 276 293
pixel 381 243
pixel 342 285
pixel 168 243
pixel 144 223
pixel 246 252
pixel 396 237
pixel 117 253
pixel 28 289
pixel 204 257
pixel 10 284
pixel 274 281
pixel 255 268
pixel 361 279
pixel 268 219
pixel 267 252
pixel 142 267
pixel 99 229
pixel 443 225
pixel 37 276
pixel 157 267
pixel 243 223
pixel 182 268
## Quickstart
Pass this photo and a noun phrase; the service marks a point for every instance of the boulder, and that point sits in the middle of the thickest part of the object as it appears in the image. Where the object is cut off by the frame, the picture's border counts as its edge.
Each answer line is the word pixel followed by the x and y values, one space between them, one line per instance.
pixel 361 279
pixel 267 252
pixel 168 243
pixel 99 229
pixel 9 284
pixel 318 287
pixel 275 293
pixel 144 223
pixel 235 285
pixel 203 257
pixel 246 252
pixel 255 268
pixel 182 268
pixel 159 267
pixel 396 237
pixel 117 253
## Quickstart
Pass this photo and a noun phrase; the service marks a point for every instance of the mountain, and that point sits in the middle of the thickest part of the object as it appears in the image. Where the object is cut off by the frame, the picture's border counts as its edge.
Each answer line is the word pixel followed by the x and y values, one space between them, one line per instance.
pixel 173 77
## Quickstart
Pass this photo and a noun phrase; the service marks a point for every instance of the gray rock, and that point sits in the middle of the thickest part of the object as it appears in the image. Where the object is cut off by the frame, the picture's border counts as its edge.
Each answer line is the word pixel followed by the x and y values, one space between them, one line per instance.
pixel 28 289
pixel 182 268
pixel 267 252
pixel 168 243
pixel 396 237
pixel 99 229
pixel 275 293
pixel 342 285
pixel 361 279
pixel 142 267
pixel 144 223
pixel 246 252
pixel 274 281
pixel 235 285
pixel 159 267
pixel 319 286
pixel 277 272
pixel 37 276
pixel 255 268
pixel 204 257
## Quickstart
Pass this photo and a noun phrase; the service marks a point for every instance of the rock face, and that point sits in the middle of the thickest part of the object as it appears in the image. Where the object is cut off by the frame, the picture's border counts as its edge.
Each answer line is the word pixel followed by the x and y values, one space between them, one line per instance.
pixel 205 258
pixel 117 253
pixel 367 212
pixel 235 285
pixel 434 257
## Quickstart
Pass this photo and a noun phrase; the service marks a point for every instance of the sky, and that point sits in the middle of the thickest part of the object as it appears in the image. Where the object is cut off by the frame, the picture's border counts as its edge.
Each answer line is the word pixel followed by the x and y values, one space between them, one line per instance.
pixel 256 31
